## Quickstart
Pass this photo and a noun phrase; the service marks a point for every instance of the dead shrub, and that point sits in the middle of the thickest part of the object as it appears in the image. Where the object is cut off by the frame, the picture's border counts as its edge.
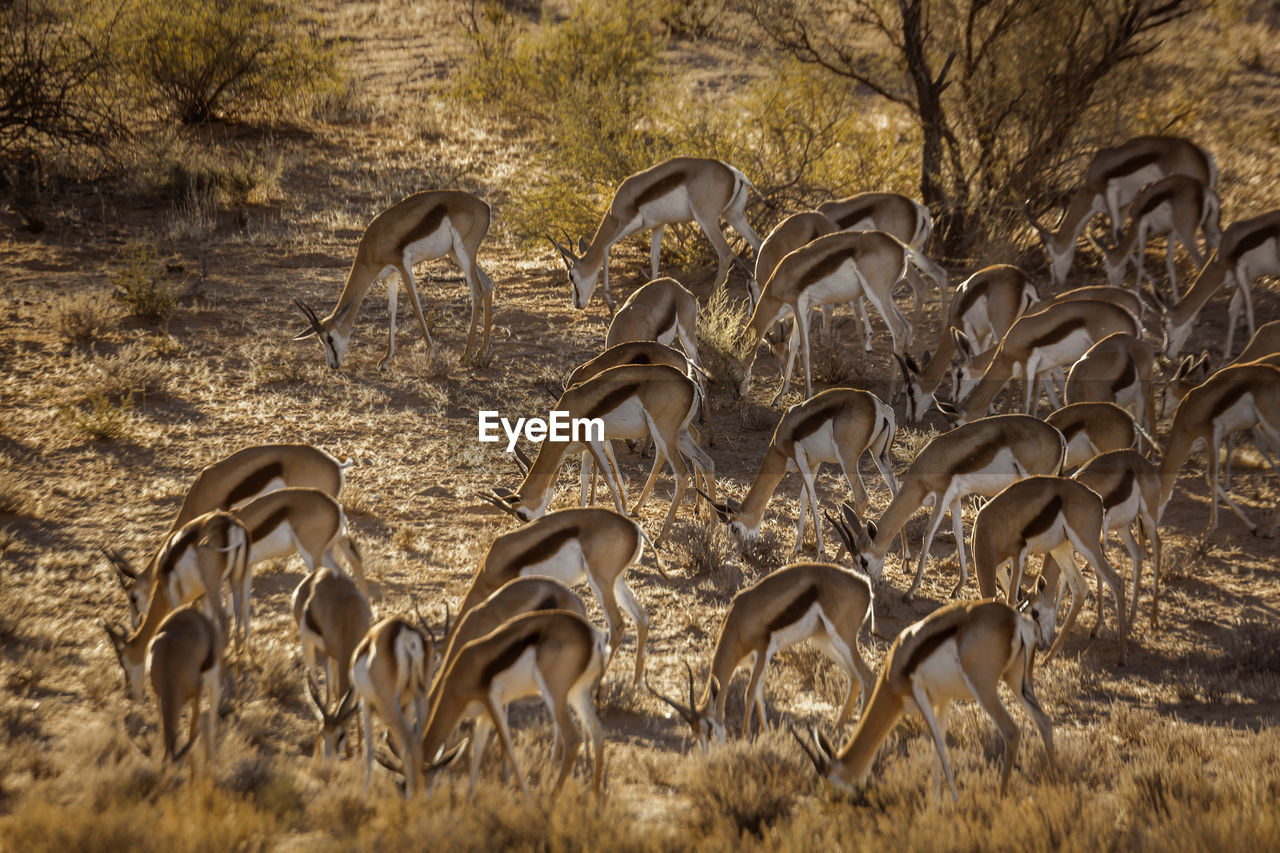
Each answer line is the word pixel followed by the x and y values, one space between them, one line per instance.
pixel 751 787
pixel 79 318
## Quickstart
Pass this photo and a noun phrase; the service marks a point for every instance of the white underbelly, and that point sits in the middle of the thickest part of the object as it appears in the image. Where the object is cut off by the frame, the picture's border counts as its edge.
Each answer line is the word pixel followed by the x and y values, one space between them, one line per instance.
pixel 520 679
pixel 1241 415
pixel 1064 352
pixel 434 245
pixel 798 631
pixel 820 446
pixel 1000 472
pixel 941 675
pixel 273 485
pixel 1080 449
pixel 672 207
pixel 1049 539
pixel 565 565
pixel 842 285
pixel 275 545
pixel 1128 186
pixel 1123 513
pixel 626 421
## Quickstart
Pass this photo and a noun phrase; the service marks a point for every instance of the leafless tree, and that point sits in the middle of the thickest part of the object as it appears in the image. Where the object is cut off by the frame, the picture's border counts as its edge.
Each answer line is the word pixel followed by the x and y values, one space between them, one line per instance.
pixel 54 71
pixel 1000 88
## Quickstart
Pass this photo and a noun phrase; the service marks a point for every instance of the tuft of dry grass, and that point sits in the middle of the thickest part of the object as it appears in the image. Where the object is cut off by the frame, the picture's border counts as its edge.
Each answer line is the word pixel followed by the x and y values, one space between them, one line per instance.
pixel 79 318
pixel 100 417
pixel 740 787
pixel 720 323
pixel 139 283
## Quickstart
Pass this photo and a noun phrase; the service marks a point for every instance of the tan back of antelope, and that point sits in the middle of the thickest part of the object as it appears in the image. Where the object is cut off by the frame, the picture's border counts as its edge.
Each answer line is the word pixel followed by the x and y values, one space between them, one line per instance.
pixel 959 651
pixel 681 189
pixel 837 426
pixel 981 457
pixel 1114 176
pixel 1046 515
pixel 803 601
pixel 254 471
pixel 205 552
pixel 333 616
pixel 632 401
pixel 1092 428
pixel 984 307
pixel 425 225
pixel 1119 369
pixel 589 544
pixel 1129 485
pixel 184 660
pixel 553 653
pixel 391 673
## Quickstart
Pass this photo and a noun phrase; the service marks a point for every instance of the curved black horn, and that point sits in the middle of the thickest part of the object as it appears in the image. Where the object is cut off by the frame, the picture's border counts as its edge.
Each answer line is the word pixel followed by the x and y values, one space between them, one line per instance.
pixel 686 713
pixel 119 563
pixel 523 460
pixel 1032 221
pixel 818 763
pixel 316 327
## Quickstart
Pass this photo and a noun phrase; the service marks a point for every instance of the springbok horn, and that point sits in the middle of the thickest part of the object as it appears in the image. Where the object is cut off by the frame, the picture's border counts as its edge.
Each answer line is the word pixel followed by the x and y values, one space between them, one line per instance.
pixel 523 459
pixel 316 327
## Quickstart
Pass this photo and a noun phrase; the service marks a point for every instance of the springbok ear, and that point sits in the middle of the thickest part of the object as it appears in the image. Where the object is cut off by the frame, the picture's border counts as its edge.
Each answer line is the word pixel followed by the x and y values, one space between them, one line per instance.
pixel 911 362
pixel 583 245
pixel 871 530
pixel 961 341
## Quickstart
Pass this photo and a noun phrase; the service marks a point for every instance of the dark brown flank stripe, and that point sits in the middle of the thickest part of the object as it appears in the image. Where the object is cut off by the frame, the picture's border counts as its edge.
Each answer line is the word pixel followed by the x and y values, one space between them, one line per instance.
pixel 828 265
pixel 1121 492
pixel 1154 202
pixel 927 647
pixel 426 226
pixel 209 656
pixel 254 483
pixel 268 526
pixel 668 318
pixel 854 216
pixel 1126 378
pixel 1229 399
pixel 814 421
pixel 1133 164
pixel 548 603
pixel 1255 239
pixel 1059 333
pixel 543 548
pixel 310 620
pixel 172 556
pixel 508 656
pixel 1044 519
pixel 612 400
pixel 1071 428
pixel 661 187
pixel 793 611
pixel 980 456
pixel 971 295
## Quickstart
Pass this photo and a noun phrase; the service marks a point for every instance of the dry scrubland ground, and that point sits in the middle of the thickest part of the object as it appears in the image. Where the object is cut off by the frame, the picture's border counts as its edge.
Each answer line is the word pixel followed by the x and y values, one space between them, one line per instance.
pixel 1177 750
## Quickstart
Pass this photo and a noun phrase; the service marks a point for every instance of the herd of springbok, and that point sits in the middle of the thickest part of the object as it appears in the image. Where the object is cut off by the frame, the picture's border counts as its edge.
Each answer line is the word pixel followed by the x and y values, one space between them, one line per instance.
pixel 1054 486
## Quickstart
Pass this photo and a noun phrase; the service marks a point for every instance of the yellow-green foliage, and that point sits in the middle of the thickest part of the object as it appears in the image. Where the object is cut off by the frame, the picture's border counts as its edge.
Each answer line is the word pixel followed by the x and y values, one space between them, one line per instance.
pixel 201 59
pixel 589 91
pixel 139 284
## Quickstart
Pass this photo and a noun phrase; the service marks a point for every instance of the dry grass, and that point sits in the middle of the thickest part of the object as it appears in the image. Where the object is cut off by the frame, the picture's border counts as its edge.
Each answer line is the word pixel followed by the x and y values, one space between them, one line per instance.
pixel 79 318
pixel 1175 751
